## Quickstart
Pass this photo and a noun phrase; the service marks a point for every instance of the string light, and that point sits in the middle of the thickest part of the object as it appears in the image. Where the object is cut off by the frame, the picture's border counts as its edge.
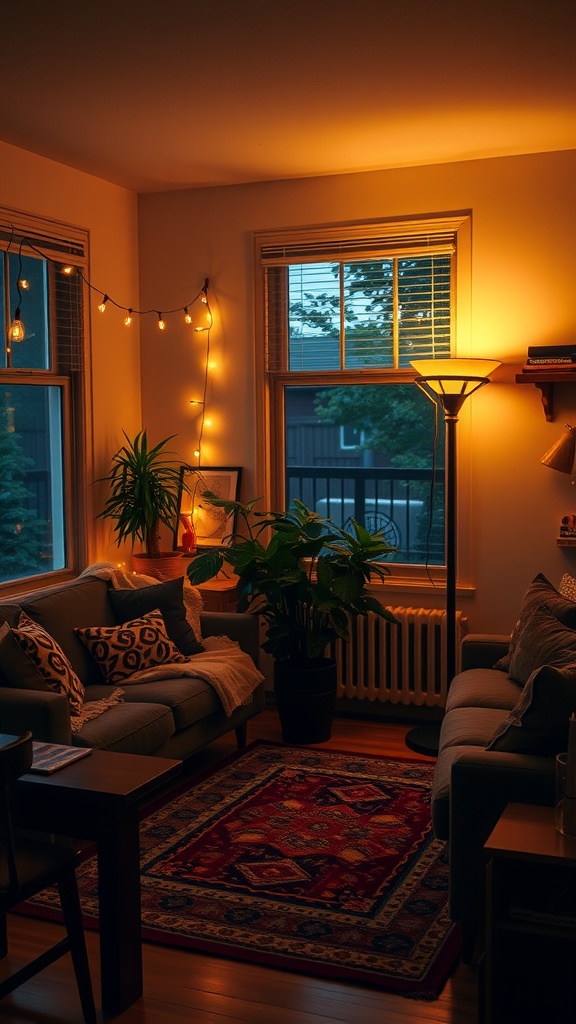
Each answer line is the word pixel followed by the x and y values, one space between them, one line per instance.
pixel 17 332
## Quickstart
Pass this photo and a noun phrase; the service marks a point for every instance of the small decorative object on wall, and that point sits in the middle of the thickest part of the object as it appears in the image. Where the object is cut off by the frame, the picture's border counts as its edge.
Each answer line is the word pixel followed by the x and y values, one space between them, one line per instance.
pixel 562 455
pixel 211 525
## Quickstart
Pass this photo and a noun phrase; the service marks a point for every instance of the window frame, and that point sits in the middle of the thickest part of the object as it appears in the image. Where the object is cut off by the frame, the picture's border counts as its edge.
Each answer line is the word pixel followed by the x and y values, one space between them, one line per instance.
pixel 61 244
pixel 271 382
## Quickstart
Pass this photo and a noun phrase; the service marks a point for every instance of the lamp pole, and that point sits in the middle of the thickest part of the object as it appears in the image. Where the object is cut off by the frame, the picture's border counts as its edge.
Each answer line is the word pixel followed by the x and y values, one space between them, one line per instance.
pixel 448 383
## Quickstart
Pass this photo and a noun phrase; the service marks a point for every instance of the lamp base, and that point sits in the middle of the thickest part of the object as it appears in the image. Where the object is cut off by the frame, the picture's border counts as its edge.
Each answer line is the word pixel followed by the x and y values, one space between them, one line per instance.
pixel 424 739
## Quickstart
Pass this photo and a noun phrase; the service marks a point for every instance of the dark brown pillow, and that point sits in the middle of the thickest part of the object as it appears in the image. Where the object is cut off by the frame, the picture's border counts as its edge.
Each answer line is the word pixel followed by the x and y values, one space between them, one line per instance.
pixel 539 592
pixel 168 597
pixel 538 723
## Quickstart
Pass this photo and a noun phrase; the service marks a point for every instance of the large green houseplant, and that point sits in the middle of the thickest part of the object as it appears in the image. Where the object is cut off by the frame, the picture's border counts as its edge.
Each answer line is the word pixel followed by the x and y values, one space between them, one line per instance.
pixel 305 579
pixel 145 484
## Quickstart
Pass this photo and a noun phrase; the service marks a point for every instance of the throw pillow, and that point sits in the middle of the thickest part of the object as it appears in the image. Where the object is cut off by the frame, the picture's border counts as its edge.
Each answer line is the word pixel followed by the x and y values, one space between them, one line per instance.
pixel 168 597
pixel 123 650
pixel 538 723
pixel 568 587
pixel 49 659
pixel 542 640
pixel 539 592
pixel 16 668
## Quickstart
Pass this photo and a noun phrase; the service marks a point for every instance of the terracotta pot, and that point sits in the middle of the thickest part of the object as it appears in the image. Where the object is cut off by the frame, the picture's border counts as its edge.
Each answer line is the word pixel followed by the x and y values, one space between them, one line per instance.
pixel 168 565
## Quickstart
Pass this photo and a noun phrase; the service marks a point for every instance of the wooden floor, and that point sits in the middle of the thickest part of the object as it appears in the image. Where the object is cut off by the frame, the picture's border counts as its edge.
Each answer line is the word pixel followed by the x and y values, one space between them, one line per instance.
pixel 188 988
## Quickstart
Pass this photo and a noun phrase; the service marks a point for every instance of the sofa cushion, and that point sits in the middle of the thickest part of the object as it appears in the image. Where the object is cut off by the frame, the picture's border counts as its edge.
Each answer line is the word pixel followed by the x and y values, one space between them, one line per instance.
pixel 16 668
pixel 50 661
pixel 482 688
pixel 542 640
pixel 471 727
pixel 190 699
pixel 122 650
pixel 128 729
pixel 538 724
pixel 168 597
pixel 538 593
pixel 82 602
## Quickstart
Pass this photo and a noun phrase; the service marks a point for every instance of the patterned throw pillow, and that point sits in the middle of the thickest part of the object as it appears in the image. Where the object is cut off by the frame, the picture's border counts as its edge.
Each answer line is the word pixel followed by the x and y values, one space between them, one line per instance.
pixel 123 650
pixel 538 723
pixel 168 597
pixel 16 668
pixel 568 587
pixel 50 661
pixel 539 592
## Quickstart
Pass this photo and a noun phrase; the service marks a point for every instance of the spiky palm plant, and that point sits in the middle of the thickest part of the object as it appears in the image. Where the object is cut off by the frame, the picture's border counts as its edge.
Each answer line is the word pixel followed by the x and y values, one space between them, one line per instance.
pixel 144 491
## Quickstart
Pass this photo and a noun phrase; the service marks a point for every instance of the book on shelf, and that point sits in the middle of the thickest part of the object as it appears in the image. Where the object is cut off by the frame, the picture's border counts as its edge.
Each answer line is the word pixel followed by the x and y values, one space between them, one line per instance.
pixel 551 356
pixel 49 757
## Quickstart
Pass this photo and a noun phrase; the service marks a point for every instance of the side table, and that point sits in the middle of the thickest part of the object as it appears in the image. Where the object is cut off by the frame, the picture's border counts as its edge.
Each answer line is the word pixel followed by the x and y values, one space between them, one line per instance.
pixel 99 798
pixel 529 975
pixel 219 595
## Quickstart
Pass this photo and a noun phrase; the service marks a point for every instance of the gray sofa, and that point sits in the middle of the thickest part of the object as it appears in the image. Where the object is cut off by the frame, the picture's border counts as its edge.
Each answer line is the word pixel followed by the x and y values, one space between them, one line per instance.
pixel 501 731
pixel 172 717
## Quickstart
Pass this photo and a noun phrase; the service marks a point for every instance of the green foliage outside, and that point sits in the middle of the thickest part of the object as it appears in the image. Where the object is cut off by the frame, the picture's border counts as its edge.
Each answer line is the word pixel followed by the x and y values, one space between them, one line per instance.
pixel 22 534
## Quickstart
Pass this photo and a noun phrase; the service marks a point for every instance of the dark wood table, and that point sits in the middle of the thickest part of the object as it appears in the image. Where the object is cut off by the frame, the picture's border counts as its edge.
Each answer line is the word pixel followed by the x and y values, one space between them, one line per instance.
pixel 99 798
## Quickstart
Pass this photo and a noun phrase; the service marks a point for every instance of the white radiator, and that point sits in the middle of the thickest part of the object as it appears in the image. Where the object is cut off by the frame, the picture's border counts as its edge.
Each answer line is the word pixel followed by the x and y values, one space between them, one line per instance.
pixel 403 664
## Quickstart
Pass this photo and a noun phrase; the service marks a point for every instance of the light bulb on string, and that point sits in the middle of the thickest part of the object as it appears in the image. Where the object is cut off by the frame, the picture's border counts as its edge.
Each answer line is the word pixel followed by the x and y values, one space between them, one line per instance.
pixel 24 284
pixel 128 318
pixel 187 317
pixel 102 305
pixel 161 323
pixel 17 331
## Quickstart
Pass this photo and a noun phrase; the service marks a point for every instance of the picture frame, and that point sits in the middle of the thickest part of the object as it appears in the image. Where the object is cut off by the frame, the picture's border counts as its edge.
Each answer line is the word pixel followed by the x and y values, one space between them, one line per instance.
pixel 211 526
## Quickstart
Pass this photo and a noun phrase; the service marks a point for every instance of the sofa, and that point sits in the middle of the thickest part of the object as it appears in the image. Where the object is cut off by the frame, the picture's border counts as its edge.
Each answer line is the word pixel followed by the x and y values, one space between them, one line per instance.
pixel 93 664
pixel 507 716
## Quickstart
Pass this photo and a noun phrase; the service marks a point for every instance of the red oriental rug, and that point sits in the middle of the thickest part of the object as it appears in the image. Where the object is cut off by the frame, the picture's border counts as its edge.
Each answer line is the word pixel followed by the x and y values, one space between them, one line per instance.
pixel 304 859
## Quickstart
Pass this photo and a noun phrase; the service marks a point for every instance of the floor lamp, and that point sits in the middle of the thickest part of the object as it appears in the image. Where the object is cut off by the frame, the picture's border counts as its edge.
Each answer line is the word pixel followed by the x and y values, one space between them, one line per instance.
pixel 448 383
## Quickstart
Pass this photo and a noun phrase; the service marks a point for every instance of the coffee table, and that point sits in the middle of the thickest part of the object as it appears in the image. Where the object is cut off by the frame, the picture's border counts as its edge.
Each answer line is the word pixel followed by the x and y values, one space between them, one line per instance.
pixel 99 798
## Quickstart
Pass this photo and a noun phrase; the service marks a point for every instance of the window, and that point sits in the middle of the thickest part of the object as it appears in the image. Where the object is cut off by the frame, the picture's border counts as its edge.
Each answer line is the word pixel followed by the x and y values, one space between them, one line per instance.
pixel 42 394
pixel 344 311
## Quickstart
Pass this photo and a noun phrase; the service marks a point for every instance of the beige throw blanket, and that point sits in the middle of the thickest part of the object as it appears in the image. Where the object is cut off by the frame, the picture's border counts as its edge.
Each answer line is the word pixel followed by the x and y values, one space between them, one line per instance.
pixel 224 665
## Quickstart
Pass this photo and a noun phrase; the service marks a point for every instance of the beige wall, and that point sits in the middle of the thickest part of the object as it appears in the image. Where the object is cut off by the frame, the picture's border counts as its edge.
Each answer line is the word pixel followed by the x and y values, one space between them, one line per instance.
pixel 523 264
pixel 31 184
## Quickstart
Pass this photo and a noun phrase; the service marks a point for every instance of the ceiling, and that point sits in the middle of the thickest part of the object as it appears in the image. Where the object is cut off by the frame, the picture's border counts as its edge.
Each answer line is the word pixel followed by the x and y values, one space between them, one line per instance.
pixel 172 95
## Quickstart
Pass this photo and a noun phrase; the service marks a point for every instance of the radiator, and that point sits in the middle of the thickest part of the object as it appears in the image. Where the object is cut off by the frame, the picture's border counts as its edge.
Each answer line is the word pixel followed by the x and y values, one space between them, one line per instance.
pixel 403 664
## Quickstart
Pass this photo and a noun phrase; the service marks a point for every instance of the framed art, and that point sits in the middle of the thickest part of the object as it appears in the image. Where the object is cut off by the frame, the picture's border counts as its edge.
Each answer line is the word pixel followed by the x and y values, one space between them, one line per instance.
pixel 211 525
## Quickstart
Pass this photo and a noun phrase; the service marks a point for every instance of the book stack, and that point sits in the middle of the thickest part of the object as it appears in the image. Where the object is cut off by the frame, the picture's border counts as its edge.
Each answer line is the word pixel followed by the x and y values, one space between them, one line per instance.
pixel 550 357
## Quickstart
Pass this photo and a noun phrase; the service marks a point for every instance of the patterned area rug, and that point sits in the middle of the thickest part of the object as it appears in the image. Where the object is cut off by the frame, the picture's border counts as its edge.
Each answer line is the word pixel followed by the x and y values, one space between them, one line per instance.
pixel 305 859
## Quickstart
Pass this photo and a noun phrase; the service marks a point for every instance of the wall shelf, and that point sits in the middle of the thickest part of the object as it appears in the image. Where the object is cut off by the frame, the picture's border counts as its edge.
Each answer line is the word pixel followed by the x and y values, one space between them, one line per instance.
pixel 545 380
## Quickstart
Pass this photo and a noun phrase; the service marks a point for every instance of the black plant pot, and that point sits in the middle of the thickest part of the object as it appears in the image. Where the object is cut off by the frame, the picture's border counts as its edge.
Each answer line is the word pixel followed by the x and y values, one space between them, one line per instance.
pixel 305 698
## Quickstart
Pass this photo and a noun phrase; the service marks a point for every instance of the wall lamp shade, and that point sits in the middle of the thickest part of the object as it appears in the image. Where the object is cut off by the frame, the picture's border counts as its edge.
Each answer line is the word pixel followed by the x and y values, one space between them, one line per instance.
pixel 562 454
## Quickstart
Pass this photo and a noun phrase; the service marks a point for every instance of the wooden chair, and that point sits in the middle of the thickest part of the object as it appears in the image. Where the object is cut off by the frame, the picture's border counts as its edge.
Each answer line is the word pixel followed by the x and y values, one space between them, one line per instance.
pixel 27 866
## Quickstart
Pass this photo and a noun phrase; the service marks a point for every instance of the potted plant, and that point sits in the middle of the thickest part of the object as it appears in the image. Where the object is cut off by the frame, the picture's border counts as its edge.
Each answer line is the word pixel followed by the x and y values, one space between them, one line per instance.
pixel 305 581
pixel 145 485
